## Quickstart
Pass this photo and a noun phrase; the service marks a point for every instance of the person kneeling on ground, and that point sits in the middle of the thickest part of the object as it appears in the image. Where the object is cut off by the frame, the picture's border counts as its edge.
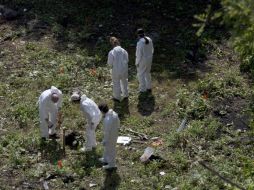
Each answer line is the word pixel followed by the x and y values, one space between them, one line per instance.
pixel 111 125
pixel 50 103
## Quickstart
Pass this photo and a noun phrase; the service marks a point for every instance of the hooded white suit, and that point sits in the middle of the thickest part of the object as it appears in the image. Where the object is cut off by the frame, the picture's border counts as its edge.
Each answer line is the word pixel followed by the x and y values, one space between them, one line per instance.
pixel 118 60
pixel 49 110
pixel 111 125
pixel 93 116
pixel 144 58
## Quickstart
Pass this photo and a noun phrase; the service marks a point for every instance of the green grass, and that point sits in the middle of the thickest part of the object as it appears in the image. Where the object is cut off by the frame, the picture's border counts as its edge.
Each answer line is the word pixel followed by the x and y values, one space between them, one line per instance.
pixel 64 57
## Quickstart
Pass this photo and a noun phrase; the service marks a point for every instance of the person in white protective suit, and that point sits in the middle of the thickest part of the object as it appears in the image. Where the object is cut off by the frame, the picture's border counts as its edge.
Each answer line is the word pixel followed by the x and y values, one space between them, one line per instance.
pixel 50 103
pixel 111 125
pixel 93 116
pixel 144 58
pixel 118 61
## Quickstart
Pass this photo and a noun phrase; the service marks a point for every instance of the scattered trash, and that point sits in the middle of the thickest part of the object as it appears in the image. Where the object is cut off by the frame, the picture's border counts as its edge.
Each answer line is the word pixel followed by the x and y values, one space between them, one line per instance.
pixel 155 157
pixel 222 112
pixel 60 164
pixel 183 125
pixel 147 154
pixel 205 95
pixel 138 141
pixel 68 179
pixel 34 73
pixel 50 176
pixel 92 184
pixel 155 138
pixel 93 72
pixel 45 185
pixel 168 187
pixel 157 142
pixel 142 136
pixel 61 70
pixel 162 173
pixel 123 140
pixel 130 148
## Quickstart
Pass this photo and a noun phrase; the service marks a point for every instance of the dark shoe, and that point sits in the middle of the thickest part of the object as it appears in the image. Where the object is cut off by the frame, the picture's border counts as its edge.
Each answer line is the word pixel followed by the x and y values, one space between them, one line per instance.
pixel 116 100
pixel 43 139
pixel 149 90
pixel 54 136
pixel 102 161
pixel 43 142
pixel 141 92
pixel 125 98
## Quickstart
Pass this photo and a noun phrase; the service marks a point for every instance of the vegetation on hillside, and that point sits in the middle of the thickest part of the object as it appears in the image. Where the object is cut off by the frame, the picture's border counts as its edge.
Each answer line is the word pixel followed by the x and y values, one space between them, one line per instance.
pixel 195 74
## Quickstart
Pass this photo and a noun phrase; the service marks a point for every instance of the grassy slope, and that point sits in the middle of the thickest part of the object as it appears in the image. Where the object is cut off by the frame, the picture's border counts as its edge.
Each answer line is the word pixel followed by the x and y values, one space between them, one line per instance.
pixel 34 58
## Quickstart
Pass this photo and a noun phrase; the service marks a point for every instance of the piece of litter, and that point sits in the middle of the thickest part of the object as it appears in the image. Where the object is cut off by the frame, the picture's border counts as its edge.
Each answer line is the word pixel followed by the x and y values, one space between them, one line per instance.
pixel 183 125
pixel 45 185
pixel 123 140
pixel 157 142
pixel 92 184
pixel 147 154
pixel 162 173
pixel 168 187
pixel 60 164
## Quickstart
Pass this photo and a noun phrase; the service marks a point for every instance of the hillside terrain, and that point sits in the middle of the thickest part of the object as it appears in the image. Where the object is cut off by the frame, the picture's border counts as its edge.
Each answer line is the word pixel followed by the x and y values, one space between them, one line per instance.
pixel 195 76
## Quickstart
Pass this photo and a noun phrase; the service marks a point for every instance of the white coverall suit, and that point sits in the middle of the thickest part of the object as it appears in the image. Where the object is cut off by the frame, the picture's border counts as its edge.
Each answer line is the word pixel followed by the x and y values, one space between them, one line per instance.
pixel 118 60
pixel 49 110
pixel 93 116
pixel 144 58
pixel 111 125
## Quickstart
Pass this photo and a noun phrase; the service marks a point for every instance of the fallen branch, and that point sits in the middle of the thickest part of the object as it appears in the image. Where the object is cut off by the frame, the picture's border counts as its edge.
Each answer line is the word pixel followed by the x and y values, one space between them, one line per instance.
pixel 141 135
pixel 137 141
pixel 202 163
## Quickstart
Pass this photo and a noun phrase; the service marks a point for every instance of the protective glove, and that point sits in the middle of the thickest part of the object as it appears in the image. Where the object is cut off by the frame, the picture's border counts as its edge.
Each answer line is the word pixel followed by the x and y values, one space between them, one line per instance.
pixel 50 124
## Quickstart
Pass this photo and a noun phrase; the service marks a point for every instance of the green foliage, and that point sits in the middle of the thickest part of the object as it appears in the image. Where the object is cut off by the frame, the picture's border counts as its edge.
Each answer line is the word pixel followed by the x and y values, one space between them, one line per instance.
pixel 240 16
pixel 224 86
pixel 191 104
pixel 24 113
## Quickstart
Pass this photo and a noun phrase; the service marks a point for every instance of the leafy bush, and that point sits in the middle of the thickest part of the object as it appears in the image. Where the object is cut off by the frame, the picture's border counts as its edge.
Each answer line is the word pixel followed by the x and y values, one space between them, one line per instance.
pixel 240 16
pixel 191 104
pixel 216 86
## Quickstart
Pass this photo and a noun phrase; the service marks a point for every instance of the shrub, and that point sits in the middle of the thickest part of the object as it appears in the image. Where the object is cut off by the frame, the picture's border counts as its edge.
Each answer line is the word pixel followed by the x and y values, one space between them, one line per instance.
pixel 239 15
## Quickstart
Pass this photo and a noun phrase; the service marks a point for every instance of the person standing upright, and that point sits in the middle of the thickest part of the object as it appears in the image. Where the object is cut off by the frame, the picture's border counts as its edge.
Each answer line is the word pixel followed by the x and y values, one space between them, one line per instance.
pixel 50 103
pixel 118 61
pixel 144 58
pixel 111 125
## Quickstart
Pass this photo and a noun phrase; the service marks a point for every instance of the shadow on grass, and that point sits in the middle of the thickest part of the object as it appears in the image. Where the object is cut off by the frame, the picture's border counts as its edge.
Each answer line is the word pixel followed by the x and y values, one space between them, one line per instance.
pixel 90 160
pixel 51 150
pixel 146 103
pixel 112 180
pixel 122 108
